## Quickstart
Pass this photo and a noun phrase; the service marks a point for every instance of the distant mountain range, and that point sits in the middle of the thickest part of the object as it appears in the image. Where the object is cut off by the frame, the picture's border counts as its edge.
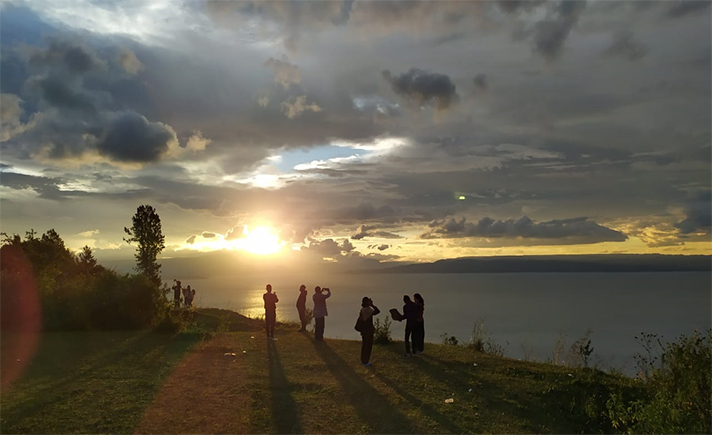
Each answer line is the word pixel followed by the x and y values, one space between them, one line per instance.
pixel 562 263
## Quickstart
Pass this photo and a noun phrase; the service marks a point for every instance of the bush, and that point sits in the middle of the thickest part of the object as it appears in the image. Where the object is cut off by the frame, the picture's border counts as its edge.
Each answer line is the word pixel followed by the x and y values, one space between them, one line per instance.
pixel 382 331
pixel 449 340
pixel 677 392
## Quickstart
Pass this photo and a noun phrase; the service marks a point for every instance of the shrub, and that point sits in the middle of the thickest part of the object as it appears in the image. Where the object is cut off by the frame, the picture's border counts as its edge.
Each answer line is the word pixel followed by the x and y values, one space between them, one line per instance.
pixel 449 340
pixel 382 331
pixel 677 391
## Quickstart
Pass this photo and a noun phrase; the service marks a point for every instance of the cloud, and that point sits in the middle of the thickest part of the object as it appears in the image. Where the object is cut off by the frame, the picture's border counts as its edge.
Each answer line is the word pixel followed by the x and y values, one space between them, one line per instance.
pixel 68 55
pixel 422 88
pixel 10 114
pixel 550 34
pixel 60 93
pixel 383 247
pixel 581 229
pixel 88 233
pixel 130 137
pixel 285 73
pixel 681 8
pixel 129 62
pixel 295 106
pixel 698 211
pixel 197 142
pixel 368 231
pixel 481 83
pixel 328 247
pixel 626 46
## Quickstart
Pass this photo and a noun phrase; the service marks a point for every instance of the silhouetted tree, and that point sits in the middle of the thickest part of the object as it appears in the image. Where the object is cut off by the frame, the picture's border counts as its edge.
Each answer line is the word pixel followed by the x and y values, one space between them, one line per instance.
pixel 146 231
pixel 86 259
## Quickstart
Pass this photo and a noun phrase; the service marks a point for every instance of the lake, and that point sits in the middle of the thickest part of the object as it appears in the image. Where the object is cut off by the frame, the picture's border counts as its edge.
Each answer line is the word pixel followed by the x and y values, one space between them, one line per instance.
pixel 525 313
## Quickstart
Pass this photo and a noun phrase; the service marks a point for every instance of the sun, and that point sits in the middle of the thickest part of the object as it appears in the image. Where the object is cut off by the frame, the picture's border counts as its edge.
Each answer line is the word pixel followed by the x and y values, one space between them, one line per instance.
pixel 260 241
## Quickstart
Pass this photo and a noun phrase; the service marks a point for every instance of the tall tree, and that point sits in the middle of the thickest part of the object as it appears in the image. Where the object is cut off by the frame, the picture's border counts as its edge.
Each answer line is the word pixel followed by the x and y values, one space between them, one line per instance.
pixel 86 259
pixel 146 231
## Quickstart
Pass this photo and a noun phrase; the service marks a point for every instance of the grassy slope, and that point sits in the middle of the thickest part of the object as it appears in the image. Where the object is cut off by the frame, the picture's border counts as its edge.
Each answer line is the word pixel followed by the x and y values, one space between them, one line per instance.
pixel 122 382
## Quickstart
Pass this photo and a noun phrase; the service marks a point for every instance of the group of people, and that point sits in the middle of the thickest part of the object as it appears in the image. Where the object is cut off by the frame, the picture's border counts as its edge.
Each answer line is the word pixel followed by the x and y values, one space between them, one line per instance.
pixel 188 295
pixel 319 312
pixel 412 314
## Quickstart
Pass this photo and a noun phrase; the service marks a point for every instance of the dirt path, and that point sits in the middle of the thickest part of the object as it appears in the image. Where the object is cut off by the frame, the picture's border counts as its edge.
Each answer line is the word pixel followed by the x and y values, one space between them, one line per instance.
pixel 204 394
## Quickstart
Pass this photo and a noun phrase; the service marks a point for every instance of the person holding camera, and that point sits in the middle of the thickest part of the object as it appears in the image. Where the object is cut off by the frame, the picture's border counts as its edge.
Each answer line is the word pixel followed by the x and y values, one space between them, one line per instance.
pixel 365 327
pixel 320 297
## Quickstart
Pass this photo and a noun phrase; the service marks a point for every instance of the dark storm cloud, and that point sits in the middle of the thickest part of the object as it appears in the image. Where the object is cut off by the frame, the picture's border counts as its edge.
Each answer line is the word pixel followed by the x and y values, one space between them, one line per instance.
pixel 550 34
pixel 383 247
pixel 370 231
pixel 361 212
pixel 71 56
pixel 625 45
pixel 681 8
pixel 130 137
pixel 57 92
pixel 699 214
pixel 582 229
pixel 422 88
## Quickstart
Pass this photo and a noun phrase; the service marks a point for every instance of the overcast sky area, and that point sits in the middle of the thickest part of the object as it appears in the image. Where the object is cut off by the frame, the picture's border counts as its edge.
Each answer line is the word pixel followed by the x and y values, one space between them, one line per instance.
pixel 361 131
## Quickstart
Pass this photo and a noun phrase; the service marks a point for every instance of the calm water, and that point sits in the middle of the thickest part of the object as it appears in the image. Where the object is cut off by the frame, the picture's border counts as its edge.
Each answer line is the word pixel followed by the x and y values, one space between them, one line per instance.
pixel 525 313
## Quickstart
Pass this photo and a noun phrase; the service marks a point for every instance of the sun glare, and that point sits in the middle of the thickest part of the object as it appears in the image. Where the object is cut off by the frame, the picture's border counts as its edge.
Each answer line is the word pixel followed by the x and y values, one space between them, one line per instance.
pixel 260 241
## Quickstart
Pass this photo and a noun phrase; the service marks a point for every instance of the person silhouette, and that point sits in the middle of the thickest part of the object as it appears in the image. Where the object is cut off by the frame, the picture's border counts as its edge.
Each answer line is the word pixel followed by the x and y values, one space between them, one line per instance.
pixel 271 300
pixel 189 294
pixel 320 311
pixel 410 314
pixel 368 310
pixel 176 293
pixel 302 307
pixel 419 332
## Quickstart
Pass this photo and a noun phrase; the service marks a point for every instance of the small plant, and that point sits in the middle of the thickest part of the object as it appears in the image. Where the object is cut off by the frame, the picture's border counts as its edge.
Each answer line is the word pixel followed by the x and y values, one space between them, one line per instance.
pixel 494 348
pixel 558 353
pixel 649 361
pixel 382 331
pixel 477 340
pixel 449 340
pixel 580 351
pixel 308 316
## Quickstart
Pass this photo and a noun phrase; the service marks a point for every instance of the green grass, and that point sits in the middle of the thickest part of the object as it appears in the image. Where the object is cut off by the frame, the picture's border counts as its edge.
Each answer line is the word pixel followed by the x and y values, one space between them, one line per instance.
pixel 104 382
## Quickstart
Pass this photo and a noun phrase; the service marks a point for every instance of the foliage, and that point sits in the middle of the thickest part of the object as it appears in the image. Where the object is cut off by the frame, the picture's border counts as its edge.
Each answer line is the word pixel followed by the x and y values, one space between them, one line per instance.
pixel 449 340
pixel 481 342
pixel 580 351
pixel 677 394
pixel 146 231
pixel 382 331
pixel 73 293
pixel 308 316
pixel 86 259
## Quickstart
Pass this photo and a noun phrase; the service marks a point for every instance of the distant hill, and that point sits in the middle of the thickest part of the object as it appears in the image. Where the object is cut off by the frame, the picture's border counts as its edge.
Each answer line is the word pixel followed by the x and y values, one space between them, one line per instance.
pixel 562 263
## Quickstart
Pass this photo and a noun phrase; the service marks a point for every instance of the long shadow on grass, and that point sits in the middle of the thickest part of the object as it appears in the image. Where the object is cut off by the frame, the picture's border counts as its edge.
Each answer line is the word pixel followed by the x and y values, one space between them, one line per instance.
pixel 533 413
pixel 373 409
pixel 284 409
pixel 424 408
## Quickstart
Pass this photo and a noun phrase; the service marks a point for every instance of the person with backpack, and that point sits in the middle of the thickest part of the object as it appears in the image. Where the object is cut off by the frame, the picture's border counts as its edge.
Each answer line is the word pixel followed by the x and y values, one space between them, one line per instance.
pixel 364 325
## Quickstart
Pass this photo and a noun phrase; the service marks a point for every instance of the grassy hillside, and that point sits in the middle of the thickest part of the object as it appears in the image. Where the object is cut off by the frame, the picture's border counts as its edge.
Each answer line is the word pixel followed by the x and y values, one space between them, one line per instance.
pixel 145 382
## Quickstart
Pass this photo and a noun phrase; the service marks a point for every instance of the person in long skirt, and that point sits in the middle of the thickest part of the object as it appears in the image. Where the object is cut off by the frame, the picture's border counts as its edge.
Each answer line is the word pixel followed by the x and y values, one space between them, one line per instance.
pixel 419 332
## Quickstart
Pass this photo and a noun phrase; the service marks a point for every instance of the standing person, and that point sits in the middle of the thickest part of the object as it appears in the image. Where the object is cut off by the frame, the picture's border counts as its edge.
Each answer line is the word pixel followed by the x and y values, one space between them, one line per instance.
pixel 176 293
pixel 419 333
pixel 410 314
pixel 320 311
pixel 185 297
pixel 189 297
pixel 302 307
pixel 271 300
pixel 368 310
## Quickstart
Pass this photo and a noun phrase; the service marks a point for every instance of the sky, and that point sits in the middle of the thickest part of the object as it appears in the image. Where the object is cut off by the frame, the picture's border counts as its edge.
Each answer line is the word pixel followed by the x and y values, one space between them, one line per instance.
pixel 360 132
